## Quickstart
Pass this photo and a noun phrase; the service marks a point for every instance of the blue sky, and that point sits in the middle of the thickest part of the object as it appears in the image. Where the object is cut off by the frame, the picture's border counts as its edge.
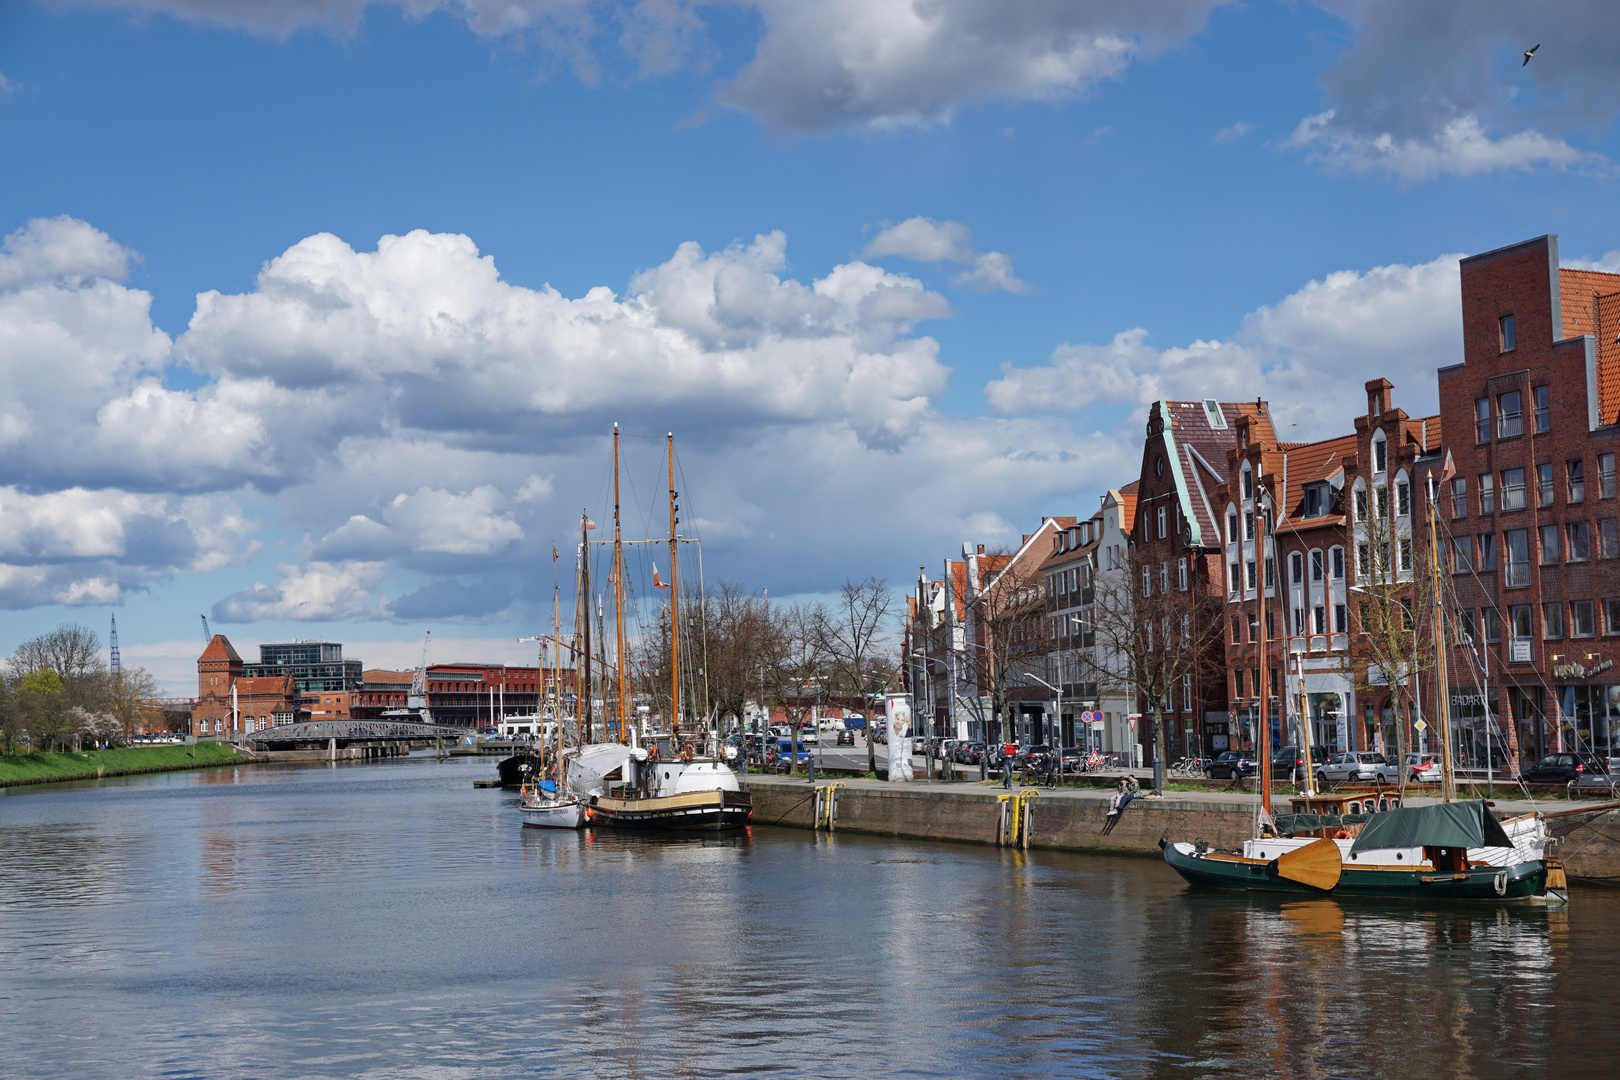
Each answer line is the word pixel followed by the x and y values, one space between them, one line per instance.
pixel 938 260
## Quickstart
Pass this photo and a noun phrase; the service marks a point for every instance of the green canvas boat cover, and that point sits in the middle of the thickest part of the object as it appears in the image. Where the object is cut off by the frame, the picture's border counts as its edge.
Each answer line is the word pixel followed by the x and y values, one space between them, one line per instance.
pixel 1449 825
pixel 1288 824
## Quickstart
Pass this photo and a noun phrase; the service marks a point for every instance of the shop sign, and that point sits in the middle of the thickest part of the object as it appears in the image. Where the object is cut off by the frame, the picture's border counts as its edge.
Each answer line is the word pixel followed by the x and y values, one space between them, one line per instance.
pixel 1576 671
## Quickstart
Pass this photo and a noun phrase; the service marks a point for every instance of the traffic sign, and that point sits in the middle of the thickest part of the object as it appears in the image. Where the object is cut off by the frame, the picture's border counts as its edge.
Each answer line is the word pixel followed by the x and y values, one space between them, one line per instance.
pixel 1421 725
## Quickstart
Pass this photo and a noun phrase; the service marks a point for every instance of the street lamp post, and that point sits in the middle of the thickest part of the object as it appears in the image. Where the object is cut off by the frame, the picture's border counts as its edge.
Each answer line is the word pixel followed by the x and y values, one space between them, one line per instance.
pixel 1057 719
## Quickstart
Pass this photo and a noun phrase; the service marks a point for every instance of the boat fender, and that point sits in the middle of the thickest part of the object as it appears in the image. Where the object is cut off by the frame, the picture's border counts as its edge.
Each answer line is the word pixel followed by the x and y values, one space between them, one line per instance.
pixel 1162 843
pixel 1501 882
pixel 1341 835
pixel 1271 868
pixel 589 814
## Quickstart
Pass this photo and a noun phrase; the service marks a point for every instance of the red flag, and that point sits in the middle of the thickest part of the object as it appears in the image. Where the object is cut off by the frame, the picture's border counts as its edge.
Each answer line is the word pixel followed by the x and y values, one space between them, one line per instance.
pixel 554 555
pixel 656 583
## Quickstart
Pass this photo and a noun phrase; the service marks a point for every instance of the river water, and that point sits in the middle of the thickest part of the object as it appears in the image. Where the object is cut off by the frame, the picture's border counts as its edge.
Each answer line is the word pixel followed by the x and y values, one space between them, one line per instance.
pixel 387 920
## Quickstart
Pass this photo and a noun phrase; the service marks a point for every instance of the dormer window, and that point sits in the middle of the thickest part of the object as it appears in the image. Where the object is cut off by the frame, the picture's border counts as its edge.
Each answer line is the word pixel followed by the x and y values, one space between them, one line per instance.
pixel 1212 410
pixel 1318 500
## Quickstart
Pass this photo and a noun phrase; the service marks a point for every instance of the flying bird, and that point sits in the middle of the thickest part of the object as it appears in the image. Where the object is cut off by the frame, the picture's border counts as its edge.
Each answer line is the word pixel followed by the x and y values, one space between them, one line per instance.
pixel 1528 53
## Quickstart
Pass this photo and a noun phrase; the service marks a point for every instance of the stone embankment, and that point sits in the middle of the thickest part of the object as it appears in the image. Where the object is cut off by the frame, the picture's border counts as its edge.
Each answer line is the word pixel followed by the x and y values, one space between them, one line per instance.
pixel 1076 819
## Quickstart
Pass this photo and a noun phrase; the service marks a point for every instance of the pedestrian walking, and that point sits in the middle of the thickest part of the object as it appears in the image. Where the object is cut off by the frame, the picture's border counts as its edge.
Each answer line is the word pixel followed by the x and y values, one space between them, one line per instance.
pixel 1006 765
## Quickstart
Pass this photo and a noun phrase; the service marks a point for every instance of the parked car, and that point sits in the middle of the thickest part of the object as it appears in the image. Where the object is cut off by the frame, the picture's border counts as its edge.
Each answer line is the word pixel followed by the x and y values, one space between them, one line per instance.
pixel 1357 765
pixel 1289 762
pixel 1420 769
pixel 1073 756
pixel 967 753
pixel 809 734
pixel 1562 768
pixel 1230 765
pixel 787 756
pixel 846 737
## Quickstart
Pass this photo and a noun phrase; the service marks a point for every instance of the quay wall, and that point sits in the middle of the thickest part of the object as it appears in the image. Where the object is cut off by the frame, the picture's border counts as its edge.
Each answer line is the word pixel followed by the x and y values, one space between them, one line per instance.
pixel 1069 820
pixel 1588 841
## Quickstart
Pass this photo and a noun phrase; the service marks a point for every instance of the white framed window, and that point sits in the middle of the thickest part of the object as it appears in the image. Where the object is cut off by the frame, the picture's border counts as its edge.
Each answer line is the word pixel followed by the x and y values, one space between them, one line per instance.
pixel 1162 516
pixel 1181 573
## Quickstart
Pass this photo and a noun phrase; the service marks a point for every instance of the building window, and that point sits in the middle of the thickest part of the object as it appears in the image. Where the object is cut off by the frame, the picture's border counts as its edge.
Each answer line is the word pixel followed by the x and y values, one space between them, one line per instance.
pixel 1271 573
pixel 1517 542
pixel 1611 616
pixel 1493 624
pixel 1380 450
pixel 1299 620
pixel 1459 497
pixel 1254 627
pixel 1364 565
pixel 1552 620
pixel 1549 545
pixel 1164 577
pixel 1580 540
pixel 1462 554
pixel 1404 553
pixel 1543 411
pixel 1232 572
pixel 1381 501
pixel 1606 477
pixel 1248 525
pixel 1487 551
pixel 1186 692
pixel 1482 420
pixel 1512 489
pixel 1248 484
pixel 1403 499
pixel 1509 414
pixel 1580 619
pixel 1249 574
pixel 1609 538
pixel 1341 619
pixel 1519 619
pixel 1465 625
pixel 1319 619
pixel 1237 682
pixel 1316 565
pixel 1181 573
pixel 1147 582
pixel 1507 339
pixel 1161 523
pixel 1487 493
pixel 1337 561
pixel 1576 473
pixel 1231 527
pixel 1544 488
pixel 1296 568
pixel 1361 504
pixel 1237 630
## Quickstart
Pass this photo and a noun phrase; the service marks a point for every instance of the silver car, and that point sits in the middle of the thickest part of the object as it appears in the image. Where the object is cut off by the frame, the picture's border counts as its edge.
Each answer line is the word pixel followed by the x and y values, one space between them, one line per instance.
pixel 1359 765
pixel 1420 769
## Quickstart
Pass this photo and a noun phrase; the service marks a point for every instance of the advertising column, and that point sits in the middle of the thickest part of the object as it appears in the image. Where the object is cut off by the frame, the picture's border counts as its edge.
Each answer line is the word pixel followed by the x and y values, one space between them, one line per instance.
pixel 897 715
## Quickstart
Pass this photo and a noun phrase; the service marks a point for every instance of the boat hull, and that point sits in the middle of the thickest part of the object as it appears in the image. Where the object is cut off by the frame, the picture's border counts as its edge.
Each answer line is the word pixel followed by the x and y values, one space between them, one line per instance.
pixel 693 811
pixel 551 814
pixel 1220 871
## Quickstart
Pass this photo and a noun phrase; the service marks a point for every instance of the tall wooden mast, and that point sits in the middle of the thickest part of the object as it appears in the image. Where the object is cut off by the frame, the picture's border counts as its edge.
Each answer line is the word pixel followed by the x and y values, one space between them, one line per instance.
pixel 1262 527
pixel 674 602
pixel 1448 776
pixel 584 610
pixel 618 586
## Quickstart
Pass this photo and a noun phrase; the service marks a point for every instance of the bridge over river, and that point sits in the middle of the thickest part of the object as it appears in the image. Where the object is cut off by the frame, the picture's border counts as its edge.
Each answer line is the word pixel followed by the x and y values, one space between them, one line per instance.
pixel 335 734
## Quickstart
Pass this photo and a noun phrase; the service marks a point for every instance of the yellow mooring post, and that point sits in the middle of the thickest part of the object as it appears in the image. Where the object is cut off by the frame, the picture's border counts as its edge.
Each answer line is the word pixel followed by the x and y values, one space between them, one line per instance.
pixel 1014 817
pixel 827 805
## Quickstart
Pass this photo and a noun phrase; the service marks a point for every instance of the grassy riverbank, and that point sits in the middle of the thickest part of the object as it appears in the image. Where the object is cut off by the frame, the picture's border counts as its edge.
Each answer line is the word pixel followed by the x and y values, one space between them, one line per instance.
pixel 36 768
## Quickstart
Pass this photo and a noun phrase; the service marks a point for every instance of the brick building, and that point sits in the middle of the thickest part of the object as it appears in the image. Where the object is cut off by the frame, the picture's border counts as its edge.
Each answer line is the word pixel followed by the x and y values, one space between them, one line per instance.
pixel 230 703
pixel 1179 546
pixel 1532 417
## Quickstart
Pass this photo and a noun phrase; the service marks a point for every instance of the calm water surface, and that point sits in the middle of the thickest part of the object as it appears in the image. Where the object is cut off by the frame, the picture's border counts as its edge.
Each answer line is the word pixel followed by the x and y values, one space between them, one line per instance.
pixel 388 920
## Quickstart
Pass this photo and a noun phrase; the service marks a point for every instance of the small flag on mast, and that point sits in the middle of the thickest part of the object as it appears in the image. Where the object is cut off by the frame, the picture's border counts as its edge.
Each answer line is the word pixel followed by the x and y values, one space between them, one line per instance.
pixel 657 584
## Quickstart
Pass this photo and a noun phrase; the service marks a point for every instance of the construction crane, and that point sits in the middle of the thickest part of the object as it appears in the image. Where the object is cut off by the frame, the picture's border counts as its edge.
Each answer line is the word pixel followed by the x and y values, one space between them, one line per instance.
pixel 207 637
pixel 418 698
pixel 112 646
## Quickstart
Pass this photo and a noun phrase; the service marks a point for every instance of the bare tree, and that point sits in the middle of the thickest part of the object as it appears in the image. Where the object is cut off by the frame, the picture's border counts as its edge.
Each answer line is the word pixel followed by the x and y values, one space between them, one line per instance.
pixel 746 638
pixel 1393 650
pixel 1150 640
pixel 1008 638
pixel 131 694
pixel 799 680
pixel 851 637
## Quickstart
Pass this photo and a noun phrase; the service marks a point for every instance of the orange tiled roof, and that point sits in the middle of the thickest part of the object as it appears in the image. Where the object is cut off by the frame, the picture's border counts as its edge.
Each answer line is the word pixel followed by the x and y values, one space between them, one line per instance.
pixel 219 648
pixel 264 685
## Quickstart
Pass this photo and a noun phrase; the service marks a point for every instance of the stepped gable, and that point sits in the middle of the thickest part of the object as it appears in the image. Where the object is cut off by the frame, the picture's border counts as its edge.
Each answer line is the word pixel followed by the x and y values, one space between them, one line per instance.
pixel 1203 432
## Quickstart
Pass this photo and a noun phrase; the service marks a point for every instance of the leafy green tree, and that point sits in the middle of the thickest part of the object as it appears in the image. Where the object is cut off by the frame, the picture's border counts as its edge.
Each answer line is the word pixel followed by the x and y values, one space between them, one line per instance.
pixel 41 709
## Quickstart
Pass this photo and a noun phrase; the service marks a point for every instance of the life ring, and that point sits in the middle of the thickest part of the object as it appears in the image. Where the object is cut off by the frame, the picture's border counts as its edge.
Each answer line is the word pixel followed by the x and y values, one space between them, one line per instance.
pixel 687 754
pixel 1341 835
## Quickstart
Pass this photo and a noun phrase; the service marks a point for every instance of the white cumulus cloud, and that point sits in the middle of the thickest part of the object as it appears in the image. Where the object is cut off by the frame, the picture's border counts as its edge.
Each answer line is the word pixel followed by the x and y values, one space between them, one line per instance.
pixel 315 592
pixel 922 239
pixel 1308 354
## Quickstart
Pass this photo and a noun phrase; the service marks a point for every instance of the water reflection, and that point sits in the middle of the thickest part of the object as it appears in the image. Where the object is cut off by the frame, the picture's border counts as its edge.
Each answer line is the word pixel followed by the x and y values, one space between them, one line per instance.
pixel 387 920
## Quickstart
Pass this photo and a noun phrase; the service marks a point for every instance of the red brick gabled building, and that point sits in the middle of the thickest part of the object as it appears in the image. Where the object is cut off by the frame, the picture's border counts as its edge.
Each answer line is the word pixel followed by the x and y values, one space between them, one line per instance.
pixel 256 704
pixel 1532 418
